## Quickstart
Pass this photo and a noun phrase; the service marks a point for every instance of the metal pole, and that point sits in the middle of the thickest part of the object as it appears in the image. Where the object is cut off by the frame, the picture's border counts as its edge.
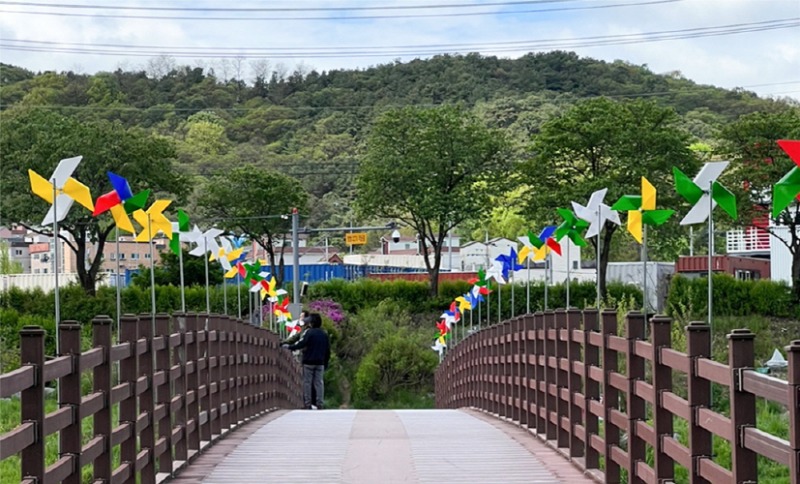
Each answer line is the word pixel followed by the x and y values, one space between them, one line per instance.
pixel 239 293
pixel 56 261
pixel 691 240
pixel 450 249
pixel 710 256
pixel 568 267
pixel 499 301
pixel 546 277
pixel 180 265
pixel 644 275
pixel 512 292
pixel 295 257
pixel 224 294
pixel 152 272
pixel 479 315
pixel 597 262
pixel 208 296
pixel 119 291
pixel 528 303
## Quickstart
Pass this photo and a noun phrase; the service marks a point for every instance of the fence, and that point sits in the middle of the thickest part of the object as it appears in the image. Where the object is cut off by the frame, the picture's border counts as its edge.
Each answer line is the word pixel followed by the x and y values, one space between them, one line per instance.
pixel 560 375
pixel 183 382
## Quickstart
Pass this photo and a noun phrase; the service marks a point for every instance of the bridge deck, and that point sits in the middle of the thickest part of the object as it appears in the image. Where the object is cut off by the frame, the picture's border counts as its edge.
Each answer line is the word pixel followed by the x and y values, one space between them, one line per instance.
pixel 380 446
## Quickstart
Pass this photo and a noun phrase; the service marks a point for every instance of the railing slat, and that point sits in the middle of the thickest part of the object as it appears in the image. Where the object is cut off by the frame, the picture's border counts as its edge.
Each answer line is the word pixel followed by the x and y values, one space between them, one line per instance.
pixel 57 368
pixel 16 381
pixel 766 386
pixel 13 441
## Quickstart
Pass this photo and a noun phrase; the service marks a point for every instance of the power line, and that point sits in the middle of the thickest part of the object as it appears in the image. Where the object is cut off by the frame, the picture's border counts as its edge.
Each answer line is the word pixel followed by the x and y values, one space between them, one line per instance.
pixel 343 17
pixel 380 51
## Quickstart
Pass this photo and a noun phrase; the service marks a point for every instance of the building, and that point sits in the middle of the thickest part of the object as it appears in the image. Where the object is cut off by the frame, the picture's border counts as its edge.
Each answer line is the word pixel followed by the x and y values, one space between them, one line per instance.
pixel 744 268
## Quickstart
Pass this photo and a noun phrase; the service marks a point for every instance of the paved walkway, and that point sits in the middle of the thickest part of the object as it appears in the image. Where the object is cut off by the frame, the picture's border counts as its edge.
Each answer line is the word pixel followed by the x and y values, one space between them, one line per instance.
pixel 381 446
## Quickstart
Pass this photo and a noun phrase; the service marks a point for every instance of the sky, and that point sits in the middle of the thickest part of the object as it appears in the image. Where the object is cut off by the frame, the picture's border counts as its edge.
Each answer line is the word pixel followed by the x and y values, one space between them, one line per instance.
pixel 760 50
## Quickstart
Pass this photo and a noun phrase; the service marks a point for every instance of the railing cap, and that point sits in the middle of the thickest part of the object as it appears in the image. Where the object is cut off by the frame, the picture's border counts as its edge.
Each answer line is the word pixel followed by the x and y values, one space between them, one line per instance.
pixel 32 331
pixel 69 326
pixel 102 320
pixel 794 346
pixel 698 326
pixel 741 334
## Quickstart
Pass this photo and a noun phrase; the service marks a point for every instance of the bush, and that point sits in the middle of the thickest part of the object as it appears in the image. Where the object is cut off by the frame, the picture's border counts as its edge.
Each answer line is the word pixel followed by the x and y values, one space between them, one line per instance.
pixel 397 363
pixel 689 298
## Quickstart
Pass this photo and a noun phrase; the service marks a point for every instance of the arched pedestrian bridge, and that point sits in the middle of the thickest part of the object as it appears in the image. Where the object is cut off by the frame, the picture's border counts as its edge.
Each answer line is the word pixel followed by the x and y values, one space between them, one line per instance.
pixel 562 396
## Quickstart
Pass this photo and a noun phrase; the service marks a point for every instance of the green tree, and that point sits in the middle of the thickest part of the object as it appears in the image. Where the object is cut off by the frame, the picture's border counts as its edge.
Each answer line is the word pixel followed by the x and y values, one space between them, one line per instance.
pixel 7 264
pixel 432 169
pixel 757 162
pixel 168 271
pixel 600 143
pixel 257 203
pixel 37 139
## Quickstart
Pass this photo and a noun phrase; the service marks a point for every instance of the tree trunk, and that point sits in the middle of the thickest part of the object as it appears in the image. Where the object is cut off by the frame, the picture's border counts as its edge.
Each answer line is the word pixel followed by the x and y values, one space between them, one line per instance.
pixel 88 277
pixel 796 272
pixel 602 264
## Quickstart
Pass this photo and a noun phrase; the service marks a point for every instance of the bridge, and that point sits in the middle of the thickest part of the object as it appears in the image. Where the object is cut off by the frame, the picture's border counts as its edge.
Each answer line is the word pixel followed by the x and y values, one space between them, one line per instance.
pixel 559 396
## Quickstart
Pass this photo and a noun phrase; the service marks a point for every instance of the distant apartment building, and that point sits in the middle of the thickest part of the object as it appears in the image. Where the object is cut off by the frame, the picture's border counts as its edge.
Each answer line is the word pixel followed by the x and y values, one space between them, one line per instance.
pixel 132 254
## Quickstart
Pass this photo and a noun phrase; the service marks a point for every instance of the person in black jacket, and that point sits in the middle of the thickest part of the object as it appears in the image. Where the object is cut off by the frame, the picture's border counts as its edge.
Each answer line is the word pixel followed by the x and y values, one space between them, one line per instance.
pixel 316 348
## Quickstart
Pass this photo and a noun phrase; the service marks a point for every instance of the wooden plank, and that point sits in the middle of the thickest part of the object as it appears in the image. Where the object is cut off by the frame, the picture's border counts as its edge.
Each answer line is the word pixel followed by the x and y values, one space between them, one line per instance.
pixel 713 472
pixel 57 420
pixel 60 469
pixel 715 423
pixel 618 344
pixel 677 451
pixel 92 450
pixel 91 404
pixel 15 381
pixel 645 472
pixel 120 433
pixel 121 351
pixel 765 386
pixel 676 405
pixel 644 350
pixel 768 445
pixel 92 358
pixel 57 368
pixel 14 441
pixel 675 360
pixel 643 390
pixel 713 371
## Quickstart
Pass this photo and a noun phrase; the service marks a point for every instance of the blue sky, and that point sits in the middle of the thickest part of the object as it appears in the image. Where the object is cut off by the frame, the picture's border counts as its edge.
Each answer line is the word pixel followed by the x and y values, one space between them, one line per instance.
pixel 767 62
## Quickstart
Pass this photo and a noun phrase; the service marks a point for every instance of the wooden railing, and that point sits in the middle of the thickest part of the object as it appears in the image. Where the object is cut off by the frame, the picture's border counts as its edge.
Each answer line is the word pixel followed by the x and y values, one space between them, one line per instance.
pixel 559 374
pixel 183 382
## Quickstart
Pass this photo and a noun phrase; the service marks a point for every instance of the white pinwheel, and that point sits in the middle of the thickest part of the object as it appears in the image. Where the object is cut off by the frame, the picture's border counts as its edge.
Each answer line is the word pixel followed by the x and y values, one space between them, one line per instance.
pixel 596 213
pixel 206 241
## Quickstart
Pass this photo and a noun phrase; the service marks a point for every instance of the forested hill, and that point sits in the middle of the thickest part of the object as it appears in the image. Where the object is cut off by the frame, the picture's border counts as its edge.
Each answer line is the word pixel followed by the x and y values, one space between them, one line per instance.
pixel 310 124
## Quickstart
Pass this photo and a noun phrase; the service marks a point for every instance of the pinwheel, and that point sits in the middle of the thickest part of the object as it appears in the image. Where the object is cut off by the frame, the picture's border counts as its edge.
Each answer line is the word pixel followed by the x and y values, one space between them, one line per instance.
pixel 121 201
pixel 705 192
pixel 598 214
pixel 571 227
pixel 788 188
pixel 236 269
pixel 206 242
pixel 60 191
pixel 510 266
pixel 439 346
pixel 480 286
pixel 153 221
pixel 226 255
pixel 293 327
pixel 464 303
pixel 641 213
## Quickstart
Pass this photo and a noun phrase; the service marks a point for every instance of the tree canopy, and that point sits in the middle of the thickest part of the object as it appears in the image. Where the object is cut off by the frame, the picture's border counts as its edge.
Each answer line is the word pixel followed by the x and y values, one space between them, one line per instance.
pixel 431 168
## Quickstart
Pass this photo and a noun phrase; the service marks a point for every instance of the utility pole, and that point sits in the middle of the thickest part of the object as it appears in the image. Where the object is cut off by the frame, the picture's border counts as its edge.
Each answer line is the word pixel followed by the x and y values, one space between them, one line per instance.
pixel 295 256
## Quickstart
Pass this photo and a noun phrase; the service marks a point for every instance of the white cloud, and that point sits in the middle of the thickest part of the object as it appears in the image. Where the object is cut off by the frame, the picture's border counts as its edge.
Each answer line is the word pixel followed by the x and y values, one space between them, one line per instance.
pixel 739 60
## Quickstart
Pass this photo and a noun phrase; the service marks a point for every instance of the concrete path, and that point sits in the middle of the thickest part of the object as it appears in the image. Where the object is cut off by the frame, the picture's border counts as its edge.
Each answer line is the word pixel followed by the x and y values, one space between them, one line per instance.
pixel 385 446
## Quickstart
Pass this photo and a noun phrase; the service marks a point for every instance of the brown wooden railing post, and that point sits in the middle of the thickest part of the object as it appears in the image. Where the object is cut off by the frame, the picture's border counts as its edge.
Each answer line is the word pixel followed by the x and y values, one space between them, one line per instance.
pixel 204 386
pixel 147 437
pixel 227 372
pixel 576 445
pixel 591 388
pixel 610 394
pixel 540 359
pixel 179 385
pixel 163 394
pixel 70 390
pixel 101 338
pixel 551 379
pixel 192 384
pixel 661 333
pixel 529 374
pixel 634 331
pixel 518 345
pixel 215 368
pixel 698 345
pixel 562 378
pixel 741 357
pixel 793 352
pixel 129 373
pixel 32 401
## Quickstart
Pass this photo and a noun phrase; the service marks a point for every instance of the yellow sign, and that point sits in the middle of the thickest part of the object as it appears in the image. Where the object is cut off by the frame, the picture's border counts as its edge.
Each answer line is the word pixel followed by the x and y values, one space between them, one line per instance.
pixel 358 238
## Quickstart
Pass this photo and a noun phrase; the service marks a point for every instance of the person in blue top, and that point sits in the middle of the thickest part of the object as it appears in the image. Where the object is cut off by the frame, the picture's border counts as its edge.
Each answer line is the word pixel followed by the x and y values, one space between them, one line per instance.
pixel 316 348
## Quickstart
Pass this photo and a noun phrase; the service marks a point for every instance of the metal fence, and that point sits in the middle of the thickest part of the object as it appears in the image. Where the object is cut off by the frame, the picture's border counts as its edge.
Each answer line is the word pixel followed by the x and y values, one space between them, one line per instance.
pixel 569 378
pixel 183 382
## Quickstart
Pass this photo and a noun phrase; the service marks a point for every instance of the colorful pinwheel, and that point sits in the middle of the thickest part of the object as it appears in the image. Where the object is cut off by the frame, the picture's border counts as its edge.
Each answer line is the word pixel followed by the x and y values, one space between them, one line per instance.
pixel 464 303
pixel 121 202
pixel 61 190
pixel 596 213
pixel 642 210
pixel 788 188
pixel 293 327
pixel 571 227
pixel 153 221
pixel 180 232
pixel 509 263
pixel 439 346
pixel 481 282
pixel 703 187
pixel 547 242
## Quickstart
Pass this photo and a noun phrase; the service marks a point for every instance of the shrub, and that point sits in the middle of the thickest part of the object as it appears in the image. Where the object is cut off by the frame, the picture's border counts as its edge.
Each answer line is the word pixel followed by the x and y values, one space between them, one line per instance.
pixel 688 298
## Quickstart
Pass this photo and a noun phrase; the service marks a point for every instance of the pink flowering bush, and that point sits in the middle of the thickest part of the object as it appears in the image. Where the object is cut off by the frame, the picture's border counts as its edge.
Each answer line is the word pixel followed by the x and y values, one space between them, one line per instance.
pixel 328 308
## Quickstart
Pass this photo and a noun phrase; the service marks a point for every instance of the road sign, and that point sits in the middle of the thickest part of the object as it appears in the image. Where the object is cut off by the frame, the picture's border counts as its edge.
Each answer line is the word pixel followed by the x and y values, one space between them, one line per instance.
pixel 357 238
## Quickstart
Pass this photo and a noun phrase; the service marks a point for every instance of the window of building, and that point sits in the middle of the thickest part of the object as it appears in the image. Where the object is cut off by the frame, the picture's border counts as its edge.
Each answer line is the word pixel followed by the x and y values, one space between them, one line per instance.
pixel 574 265
pixel 147 256
pixel 134 256
pixel 36 256
pixel 121 256
pixel 17 251
pixel 44 271
pixel 36 271
pixel 113 256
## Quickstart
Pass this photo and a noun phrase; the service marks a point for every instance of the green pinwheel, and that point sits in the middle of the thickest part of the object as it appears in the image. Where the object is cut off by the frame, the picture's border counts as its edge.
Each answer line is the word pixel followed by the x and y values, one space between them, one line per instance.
pixel 642 210
pixel 571 227
pixel 704 192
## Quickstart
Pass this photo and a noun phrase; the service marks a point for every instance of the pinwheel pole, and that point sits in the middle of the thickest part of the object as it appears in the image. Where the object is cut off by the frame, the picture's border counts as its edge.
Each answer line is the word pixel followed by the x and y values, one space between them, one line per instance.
pixel 597 260
pixel 528 289
pixel 56 261
pixel 119 290
pixel 152 271
pixel 512 291
pixel 568 274
pixel 710 251
pixel 644 274
pixel 180 268
pixel 208 294
pixel 224 296
pixel 239 293
pixel 547 268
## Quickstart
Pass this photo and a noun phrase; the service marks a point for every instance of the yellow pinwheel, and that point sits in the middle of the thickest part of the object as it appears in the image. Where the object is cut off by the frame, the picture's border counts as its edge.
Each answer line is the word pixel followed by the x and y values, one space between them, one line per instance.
pixel 61 189
pixel 464 304
pixel 642 210
pixel 153 221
